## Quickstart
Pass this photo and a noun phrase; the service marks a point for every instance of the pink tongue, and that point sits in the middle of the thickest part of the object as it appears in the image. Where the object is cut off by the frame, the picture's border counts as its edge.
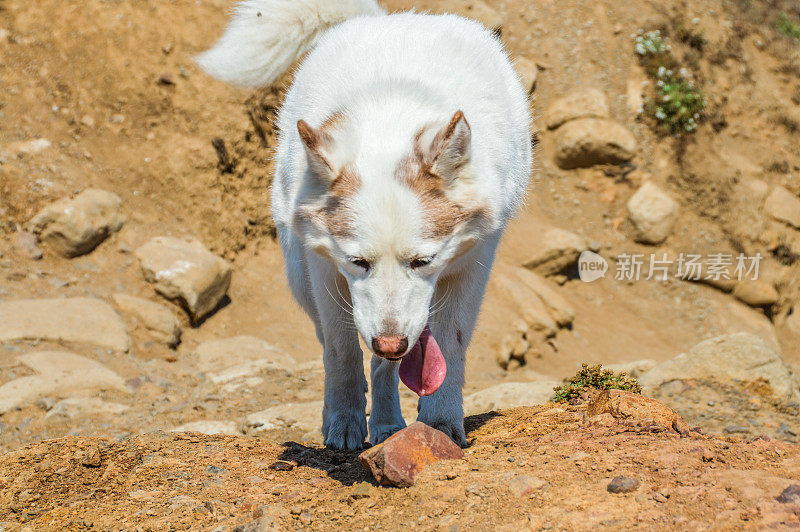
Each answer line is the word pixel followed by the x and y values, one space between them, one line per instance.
pixel 423 368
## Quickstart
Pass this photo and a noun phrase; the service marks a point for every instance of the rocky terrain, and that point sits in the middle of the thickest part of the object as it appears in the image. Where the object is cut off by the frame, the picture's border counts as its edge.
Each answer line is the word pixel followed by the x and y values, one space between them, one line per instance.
pixel 152 361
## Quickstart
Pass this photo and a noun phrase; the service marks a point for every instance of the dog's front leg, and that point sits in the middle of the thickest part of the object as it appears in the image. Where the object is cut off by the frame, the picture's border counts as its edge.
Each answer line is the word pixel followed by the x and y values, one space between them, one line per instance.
pixel 456 303
pixel 344 421
pixel 386 417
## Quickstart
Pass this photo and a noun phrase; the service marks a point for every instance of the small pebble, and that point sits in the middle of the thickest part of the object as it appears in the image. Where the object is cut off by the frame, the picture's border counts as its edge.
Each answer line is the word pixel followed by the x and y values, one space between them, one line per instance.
pixel 622 484
pixel 215 470
pixel 281 465
pixel 790 495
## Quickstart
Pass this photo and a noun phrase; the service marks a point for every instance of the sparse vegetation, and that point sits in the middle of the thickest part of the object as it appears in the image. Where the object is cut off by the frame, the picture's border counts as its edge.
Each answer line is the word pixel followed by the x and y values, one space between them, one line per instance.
pixel 695 39
pixel 787 27
pixel 678 104
pixel 594 377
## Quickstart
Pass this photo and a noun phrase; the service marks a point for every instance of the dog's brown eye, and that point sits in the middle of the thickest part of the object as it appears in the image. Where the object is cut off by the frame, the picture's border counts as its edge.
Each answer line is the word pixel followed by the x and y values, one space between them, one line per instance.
pixel 361 263
pixel 420 262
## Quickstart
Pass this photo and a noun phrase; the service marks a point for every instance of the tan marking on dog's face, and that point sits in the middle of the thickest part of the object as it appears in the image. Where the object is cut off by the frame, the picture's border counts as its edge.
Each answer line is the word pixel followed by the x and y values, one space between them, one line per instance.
pixel 417 172
pixel 333 121
pixel 335 214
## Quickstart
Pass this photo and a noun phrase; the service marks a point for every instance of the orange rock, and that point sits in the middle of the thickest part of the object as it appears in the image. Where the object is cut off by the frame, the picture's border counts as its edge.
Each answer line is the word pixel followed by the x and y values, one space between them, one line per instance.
pixel 397 461
pixel 638 408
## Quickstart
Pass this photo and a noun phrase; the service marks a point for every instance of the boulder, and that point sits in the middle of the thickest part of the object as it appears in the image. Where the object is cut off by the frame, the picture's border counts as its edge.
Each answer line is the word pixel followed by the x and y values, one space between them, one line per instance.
pixel 398 460
pixel 585 142
pixel 652 214
pixel 582 103
pixel 783 206
pixel 240 356
pixel 75 226
pixel 476 10
pixel 509 395
pixel 183 269
pixel 793 320
pixel 739 357
pixel 157 319
pixel 636 408
pixel 302 416
pixel 555 251
pixel 756 293
pixel 29 147
pixel 530 308
pixel 227 428
pixel 81 407
pixel 57 373
pixel 528 73
pixel 24 244
pixel 79 320
pixel 557 306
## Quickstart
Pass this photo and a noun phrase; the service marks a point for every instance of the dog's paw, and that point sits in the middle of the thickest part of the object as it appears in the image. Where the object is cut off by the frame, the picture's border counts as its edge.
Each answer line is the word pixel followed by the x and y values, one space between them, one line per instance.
pixel 379 433
pixel 345 430
pixel 455 430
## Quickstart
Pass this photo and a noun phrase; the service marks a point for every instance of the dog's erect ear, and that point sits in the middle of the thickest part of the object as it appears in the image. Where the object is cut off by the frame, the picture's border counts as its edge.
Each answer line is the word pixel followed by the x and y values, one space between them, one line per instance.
pixel 319 148
pixel 450 148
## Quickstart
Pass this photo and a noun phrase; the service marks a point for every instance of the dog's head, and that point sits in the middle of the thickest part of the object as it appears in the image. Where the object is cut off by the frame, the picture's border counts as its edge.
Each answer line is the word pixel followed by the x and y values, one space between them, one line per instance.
pixel 391 214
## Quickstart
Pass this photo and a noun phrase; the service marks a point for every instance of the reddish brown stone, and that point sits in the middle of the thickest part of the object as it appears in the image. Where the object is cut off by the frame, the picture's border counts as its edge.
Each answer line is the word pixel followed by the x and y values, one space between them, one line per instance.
pixel 629 406
pixel 397 461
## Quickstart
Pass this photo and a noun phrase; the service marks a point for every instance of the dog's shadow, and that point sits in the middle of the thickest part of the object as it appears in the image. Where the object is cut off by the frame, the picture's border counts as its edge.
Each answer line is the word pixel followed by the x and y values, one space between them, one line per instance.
pixel 343 466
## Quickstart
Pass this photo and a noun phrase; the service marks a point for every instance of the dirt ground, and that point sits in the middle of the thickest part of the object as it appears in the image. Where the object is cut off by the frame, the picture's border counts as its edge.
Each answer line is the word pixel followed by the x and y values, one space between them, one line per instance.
pixel 113 87
pixel 541 468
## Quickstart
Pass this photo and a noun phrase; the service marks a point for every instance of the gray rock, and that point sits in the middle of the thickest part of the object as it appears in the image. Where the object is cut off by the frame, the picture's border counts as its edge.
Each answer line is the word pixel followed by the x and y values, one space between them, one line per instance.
pixel 557 306
pixel 301 416
pixel 622 484
pixel 582 103
pixel 75 226
pixel 793 320
pixel 82 407
pixel 241 356
pixel 57 373
pixel 652 214
pixel 228 428
pixel 29 147
pixel 585 142
pixel 24 244
pixel 783 206
pixel 755 293
pixel 509 395
pixel 528 73
pixel 184 270
pixel 79 320
pixel 525 485
pixel 162 324
pixel 555 250
pixel 740 356
pixel 791 495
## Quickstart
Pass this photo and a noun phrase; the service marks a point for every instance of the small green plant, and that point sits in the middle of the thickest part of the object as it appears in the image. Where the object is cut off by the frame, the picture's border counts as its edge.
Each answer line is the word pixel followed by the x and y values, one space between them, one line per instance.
pixel 679 103
pixel 594 377
pixel 787 27
pixel 651 43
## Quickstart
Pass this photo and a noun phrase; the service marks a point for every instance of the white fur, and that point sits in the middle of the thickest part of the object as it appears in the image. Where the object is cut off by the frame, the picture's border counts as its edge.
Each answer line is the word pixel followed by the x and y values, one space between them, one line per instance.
pixel 266 36
pixel 390 76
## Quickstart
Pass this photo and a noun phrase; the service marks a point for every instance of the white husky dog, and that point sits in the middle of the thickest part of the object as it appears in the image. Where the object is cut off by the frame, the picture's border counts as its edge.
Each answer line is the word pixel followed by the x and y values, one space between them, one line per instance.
pixel 404 150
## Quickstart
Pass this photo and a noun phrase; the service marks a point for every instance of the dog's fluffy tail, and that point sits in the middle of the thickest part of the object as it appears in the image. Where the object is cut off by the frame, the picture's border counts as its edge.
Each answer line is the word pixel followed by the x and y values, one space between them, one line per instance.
pixel 266 36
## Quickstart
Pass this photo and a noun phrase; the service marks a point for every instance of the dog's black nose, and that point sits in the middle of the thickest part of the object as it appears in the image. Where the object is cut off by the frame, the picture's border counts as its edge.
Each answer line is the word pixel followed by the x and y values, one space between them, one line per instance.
pixel 389 345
